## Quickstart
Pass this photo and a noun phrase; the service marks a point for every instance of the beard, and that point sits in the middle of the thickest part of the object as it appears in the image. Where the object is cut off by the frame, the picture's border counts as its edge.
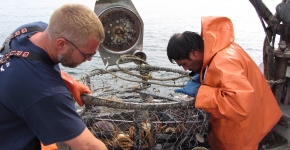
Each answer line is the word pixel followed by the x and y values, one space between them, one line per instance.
pixel 198 67
pixel 66 59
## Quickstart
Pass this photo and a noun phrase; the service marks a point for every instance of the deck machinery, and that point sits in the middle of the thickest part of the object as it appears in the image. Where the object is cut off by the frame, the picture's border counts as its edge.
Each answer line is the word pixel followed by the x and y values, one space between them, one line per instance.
pixel 123 30
pixel 276 59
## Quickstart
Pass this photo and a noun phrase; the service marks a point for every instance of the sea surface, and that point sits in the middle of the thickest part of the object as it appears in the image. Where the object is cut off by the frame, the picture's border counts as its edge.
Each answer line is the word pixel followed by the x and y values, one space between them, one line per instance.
pixel 161 18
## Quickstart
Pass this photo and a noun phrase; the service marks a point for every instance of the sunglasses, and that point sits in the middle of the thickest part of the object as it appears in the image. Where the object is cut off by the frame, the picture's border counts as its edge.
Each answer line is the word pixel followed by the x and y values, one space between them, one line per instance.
pixel 86 56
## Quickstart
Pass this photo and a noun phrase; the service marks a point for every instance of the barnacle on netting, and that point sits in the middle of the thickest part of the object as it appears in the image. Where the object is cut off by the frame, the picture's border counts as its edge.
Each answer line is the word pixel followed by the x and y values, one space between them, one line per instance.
pixel 128 111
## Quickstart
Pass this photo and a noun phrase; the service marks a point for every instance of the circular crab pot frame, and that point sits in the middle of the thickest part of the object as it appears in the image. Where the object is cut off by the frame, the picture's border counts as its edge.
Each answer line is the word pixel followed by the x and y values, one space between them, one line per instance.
pixel 136 108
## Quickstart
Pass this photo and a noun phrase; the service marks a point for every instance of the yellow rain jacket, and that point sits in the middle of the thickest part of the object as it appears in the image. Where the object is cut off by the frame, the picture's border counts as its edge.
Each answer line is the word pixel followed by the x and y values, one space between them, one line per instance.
pixel 234 91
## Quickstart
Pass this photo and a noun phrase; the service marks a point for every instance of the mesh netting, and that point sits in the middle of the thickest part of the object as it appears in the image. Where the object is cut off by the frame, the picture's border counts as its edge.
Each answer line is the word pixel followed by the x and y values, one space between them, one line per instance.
pixel 136 108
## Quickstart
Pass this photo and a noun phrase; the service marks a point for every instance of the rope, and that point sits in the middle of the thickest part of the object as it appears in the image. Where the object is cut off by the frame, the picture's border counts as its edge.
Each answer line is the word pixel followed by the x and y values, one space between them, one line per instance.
pixel 146 67
pixel 145 76
pixel 95 100
pixel 139 67
pixel 277 81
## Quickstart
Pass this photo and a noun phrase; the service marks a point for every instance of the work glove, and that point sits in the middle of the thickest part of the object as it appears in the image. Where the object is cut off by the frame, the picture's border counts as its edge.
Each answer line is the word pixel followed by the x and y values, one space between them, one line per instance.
pixel 191 87
pixel 76 88
pixel 49 147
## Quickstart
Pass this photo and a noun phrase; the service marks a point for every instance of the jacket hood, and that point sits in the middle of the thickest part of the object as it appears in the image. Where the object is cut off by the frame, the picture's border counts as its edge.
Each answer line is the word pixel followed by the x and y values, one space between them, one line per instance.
pixel 217 33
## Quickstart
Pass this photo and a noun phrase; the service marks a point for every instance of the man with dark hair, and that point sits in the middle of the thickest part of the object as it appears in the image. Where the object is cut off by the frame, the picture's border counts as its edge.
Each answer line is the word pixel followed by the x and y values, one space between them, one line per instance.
pixel 227 84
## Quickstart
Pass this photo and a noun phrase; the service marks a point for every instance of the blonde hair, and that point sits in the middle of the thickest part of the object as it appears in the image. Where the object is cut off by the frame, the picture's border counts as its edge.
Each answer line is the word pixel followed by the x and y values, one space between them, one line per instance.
pixel 76 22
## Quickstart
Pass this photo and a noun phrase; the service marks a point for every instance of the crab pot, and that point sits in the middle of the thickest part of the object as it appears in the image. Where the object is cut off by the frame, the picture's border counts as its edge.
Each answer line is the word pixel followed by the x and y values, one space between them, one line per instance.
pixel 136 108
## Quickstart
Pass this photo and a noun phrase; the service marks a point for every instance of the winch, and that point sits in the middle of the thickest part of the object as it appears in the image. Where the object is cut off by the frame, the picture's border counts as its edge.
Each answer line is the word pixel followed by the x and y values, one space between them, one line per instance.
pixel 123 30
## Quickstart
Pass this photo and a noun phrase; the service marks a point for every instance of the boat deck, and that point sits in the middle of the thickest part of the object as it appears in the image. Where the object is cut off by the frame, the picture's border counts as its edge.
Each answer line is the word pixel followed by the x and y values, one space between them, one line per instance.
pixel 279 137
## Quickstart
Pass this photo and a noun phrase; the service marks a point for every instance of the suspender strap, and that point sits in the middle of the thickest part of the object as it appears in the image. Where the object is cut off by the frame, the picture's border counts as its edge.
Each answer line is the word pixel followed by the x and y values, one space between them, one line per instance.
pixel 22 31
pixel 26 55
pixel 9 53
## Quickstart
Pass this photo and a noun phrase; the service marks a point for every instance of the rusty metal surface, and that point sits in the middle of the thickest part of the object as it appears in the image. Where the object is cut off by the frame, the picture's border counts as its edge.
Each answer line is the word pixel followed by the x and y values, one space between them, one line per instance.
pixel 122 29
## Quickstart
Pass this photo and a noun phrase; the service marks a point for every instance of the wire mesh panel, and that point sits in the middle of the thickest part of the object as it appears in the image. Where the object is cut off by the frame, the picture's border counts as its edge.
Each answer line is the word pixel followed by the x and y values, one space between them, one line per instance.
pixel 136 108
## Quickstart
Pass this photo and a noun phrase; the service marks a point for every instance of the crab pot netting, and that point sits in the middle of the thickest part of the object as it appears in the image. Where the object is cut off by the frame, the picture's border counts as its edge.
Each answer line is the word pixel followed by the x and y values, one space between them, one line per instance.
pixel 136 108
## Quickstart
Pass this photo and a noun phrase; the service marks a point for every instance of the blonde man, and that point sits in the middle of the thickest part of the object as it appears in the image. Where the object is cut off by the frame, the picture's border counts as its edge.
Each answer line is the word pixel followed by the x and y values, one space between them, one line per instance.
pixel 35 103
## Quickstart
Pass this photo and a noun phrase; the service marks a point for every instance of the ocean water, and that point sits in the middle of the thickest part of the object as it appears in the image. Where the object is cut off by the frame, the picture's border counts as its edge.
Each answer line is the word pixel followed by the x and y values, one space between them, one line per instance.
pixel 161 18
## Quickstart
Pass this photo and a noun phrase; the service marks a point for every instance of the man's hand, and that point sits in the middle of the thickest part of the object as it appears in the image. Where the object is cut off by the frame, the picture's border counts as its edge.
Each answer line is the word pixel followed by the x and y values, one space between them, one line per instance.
pixel 76 88
pixel 191 87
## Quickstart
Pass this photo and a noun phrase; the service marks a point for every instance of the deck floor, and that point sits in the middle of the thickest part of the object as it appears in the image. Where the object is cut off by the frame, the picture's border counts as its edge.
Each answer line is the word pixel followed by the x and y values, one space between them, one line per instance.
pixel 274 141
pixel 277 139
